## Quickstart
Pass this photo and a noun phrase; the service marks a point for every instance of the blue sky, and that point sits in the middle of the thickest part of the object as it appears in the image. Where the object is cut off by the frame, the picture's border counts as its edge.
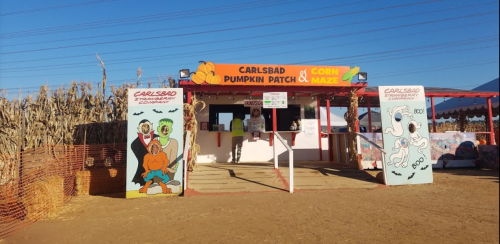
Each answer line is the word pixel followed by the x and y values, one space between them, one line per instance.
pixel 452 43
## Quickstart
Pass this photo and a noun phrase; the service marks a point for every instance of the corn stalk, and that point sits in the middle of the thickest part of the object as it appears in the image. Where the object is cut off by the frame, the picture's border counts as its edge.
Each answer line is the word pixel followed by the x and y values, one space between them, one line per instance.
pixel 190 123
pixel 351 118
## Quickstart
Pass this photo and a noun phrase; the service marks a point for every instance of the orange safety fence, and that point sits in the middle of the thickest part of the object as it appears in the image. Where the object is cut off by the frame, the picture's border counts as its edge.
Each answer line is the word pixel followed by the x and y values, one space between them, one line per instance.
pixel 36 182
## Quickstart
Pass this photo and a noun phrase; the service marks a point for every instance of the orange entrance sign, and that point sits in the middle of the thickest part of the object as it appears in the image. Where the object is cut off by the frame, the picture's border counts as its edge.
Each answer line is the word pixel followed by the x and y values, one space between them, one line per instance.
pixel 209 73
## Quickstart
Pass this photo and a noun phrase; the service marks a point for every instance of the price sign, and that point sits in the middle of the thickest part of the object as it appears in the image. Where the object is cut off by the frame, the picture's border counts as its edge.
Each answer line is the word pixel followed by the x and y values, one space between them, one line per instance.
pixel 256 125
pixel 275 100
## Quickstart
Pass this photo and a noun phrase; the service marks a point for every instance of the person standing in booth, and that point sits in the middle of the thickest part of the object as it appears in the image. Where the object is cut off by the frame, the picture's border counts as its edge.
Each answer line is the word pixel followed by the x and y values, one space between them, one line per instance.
pixel 238 129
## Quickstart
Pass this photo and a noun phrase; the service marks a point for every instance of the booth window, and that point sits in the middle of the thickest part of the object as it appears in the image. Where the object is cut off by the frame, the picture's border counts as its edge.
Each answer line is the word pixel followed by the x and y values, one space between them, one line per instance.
pixel 224 114
pixel 285 117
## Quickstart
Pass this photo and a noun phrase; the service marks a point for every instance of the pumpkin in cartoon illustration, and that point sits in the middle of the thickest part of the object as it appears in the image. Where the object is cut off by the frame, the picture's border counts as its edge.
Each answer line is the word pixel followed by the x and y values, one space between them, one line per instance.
pixel 155 165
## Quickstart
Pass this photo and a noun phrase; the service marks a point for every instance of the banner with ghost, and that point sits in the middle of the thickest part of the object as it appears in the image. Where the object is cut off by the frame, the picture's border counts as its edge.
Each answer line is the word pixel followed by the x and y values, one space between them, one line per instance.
pixel 154 142
pixel 406 137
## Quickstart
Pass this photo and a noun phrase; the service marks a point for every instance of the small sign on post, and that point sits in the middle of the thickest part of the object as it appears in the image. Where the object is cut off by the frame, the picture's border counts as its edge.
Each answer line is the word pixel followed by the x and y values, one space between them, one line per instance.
pixel 275 100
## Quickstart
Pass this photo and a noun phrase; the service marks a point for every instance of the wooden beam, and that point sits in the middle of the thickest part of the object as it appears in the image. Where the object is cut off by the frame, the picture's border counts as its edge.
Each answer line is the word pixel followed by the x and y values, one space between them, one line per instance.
pixel 434 126
pixel 320 132
pixel 369 116
pixel 492 127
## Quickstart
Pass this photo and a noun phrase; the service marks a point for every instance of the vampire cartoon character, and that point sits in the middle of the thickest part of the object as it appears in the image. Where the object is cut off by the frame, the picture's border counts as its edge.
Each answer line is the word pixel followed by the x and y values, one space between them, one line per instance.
pixel 140 148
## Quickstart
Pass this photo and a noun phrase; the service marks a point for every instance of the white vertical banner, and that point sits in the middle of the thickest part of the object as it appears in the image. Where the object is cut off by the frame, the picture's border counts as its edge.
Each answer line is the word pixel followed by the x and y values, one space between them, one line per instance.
pixel 406 135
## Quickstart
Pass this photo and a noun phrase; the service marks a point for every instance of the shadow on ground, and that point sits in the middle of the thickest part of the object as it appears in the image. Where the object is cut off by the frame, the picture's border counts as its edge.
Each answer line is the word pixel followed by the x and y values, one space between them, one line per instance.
pixel 484 174
pixel 322 168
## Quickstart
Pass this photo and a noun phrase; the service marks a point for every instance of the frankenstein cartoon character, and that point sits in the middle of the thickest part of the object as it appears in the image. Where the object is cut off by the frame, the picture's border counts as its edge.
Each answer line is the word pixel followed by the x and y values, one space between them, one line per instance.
pixel 155 165
pixel 169 145
pixel 139 147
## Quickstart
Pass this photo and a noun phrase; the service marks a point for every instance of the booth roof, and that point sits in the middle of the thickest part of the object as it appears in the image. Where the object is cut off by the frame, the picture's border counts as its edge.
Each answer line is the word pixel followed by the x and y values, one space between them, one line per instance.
pixel 473 107
pixel 444 92
pixel 370 96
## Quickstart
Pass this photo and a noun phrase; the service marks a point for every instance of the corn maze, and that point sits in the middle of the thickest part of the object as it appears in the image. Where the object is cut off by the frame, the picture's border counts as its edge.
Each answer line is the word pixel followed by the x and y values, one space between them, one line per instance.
pixel 55 145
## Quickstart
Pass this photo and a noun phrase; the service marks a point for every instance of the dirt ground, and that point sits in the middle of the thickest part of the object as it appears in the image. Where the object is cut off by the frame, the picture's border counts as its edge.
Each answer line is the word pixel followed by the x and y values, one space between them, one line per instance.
pixel 461 207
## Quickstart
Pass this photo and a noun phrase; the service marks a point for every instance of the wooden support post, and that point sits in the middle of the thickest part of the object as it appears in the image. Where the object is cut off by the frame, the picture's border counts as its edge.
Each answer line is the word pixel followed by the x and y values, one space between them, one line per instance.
pixel 328 115
pixel 20 149
pixel 47 162
pixel 275 120
pixel 189 98
pixel 462 118
pixel 491 126
pixel 320 132
pixel 218 139
pixel 18 175
pixel 329 126
pixel 434 126
pixel 370 129
pixel 84 148
pixel 275 126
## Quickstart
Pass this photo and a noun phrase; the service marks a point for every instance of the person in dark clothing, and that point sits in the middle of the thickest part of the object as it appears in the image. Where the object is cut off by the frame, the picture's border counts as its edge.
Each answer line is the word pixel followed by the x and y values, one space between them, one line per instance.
pixel 140 148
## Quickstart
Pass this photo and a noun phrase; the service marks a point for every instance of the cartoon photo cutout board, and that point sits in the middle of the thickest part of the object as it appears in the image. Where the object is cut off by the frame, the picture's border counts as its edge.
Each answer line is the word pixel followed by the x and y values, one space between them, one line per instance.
pixel 154 142
pixel 405 131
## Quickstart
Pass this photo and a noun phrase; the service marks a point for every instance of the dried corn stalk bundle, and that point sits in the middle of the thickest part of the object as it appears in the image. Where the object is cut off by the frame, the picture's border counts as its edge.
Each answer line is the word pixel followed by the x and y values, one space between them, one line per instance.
pixel 190 123
pixel 10 124
pixel 352 118
pixel 62 116
pixel 7 170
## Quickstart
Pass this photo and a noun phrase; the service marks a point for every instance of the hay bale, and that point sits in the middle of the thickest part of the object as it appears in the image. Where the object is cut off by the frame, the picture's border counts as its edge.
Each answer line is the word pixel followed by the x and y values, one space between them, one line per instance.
pixel 381 178
pixel 100 181
pixel 36 200
pixel 55 186
pixel 82 183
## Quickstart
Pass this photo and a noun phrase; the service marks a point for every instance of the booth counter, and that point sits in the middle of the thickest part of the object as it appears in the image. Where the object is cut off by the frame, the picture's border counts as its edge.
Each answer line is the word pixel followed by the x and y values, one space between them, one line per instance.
pixel 216 145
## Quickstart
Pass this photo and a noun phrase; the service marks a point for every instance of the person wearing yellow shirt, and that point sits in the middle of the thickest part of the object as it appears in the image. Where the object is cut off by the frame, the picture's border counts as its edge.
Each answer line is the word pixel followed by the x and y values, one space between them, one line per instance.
pixel 238 130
